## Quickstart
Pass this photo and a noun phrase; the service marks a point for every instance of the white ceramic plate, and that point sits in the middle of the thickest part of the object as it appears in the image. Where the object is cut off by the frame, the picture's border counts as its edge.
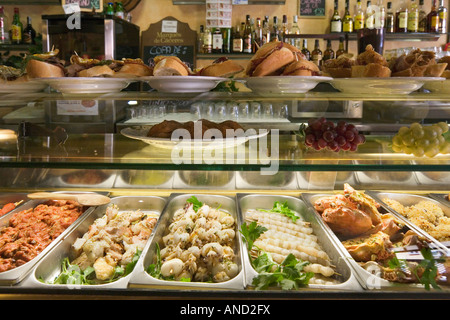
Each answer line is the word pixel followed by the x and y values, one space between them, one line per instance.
pixel 88 84
pixel 22 86
pixel 393 85
pixel 182 84
pixel 439 86
pixel 283 84
pixel 140 133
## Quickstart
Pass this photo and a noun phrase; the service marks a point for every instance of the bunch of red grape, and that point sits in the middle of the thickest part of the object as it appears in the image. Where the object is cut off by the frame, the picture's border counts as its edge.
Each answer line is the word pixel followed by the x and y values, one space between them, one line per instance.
pixel 321 134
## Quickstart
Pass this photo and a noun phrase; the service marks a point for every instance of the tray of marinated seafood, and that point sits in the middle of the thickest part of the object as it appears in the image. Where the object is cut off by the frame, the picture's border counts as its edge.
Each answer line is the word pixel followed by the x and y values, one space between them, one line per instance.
pixel 30 231
pixel 196 246
pixel 429 215
pixel 386 251
pixel 258 180
pixel 102 251
pixel 145 179
pixel 289 231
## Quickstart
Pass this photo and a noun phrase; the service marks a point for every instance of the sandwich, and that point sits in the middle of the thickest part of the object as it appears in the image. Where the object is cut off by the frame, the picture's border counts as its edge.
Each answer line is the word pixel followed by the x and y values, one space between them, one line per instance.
pixel 417 63
pixel 301 67
pixel 10 74
pixel 170 66
pixel 370 64
pixel 81 67
pixel 270 59
pixel 132 68
pixel 341 67
pixel 44 65
pixel 446 73
pixel 222 67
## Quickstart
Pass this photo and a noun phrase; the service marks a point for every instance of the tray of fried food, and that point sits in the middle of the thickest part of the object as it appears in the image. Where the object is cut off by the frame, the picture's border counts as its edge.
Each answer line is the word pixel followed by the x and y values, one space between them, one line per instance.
pixel 386 251
pixel 102 251
pixel 196 246
pixel 282 234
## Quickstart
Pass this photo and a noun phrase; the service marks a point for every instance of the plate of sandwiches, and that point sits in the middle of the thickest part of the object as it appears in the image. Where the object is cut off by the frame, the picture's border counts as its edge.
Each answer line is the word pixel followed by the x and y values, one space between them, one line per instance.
pixel 279 67
pixel 200 134
pixel 370 73
pixel 170 74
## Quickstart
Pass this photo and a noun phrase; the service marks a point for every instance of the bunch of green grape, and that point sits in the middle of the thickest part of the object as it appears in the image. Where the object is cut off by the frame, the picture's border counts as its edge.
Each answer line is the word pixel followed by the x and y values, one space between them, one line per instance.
pixel 422 140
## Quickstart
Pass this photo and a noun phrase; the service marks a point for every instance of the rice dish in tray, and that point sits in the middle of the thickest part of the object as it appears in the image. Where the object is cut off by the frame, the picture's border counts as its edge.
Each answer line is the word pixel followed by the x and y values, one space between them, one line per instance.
pixel 427 216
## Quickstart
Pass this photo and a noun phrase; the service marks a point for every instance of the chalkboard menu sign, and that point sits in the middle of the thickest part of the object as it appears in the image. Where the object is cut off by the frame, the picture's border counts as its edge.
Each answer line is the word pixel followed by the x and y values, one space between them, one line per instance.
pixel 87 5
pixel 169 37
pixel 312 8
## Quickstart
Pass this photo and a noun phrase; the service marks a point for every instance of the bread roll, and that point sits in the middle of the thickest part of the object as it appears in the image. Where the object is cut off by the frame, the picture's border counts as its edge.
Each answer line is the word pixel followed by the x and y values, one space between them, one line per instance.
pixel 41 69
pixel 224 68
pixel 169 66
pixel 301 68
pixel 97 71
pixel 269 59
pixel 134 69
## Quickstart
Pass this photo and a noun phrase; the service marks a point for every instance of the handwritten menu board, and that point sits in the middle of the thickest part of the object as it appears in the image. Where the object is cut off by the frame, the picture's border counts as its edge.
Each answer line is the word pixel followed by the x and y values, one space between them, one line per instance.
pixel 312 8
pixel 87 5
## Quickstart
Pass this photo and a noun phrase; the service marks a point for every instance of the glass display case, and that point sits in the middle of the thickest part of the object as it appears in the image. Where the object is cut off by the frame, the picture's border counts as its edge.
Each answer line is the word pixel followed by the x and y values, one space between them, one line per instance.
pixel 109 151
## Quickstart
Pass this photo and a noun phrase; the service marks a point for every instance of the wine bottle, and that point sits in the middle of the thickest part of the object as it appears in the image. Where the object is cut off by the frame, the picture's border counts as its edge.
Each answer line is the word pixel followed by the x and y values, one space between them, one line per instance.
pixel 422 17
pixel 336 22
pixel 442 12
pixel 316 54
pixel 390 19
pixel 305 50
pixel 413 17
pixel 247 36
pixel 359 18
pixel 347 22
pixel 401 19
pixel 328 53
pixel 433 19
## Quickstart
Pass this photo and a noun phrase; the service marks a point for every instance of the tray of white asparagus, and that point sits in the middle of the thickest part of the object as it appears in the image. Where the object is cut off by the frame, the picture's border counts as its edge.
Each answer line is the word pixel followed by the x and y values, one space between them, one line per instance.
pixel 282 237
pixel 196 246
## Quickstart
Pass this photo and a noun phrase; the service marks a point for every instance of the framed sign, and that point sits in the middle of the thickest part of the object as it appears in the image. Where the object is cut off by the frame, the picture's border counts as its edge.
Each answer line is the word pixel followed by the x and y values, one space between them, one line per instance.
pixel 87 5
pixel 312 8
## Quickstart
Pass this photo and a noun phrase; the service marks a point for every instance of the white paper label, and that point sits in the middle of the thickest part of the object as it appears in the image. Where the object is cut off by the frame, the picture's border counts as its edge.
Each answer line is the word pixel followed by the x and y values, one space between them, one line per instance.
pixel 169 26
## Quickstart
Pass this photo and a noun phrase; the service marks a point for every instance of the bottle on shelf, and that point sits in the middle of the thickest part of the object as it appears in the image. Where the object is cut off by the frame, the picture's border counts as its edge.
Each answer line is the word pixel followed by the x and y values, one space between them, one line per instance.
pixel 305 50
pixel 422 17
pixel 119 11
pixel 316 54
pixel 275 33
pixel 4 33
pixel 295 30
pixel 359 17
pixel 217 41
pixel 336 22
pixel 266 31
pixel 401 18
pixel 370 16
pixel 390 19
pixel 347 22
pixel 284 27
pixel 258 34
pixel 380 15
pixel 238 45
pixel 16 28
pixel 207 41
pixel 200 39
pixel 226 40
pixel 109 11
pixel 29 34
pixel 433 18
pixel 341 49
pixel 329 52
pixel 247 39
pixel 443 16
pixel 413 17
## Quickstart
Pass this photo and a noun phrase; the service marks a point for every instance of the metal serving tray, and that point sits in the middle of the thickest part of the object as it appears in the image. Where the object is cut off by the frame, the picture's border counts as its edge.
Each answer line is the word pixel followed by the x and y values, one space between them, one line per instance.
pixel 366 279
pixel 59 180
pixel 50 266
pixel 6 198
pixel 123 179
pixel 255 180
pixel 140 278
pixel 441 197
pixel 222 180
pixel 14 276
pixel 343 269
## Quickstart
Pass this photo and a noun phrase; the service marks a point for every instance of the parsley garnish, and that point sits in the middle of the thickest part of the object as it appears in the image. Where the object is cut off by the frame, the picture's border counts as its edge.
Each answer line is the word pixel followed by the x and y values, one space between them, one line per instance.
pixel 197 204
pixel 282 208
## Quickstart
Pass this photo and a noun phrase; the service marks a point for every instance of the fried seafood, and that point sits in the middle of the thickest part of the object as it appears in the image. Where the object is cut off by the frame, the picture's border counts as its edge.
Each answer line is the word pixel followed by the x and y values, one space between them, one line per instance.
pixel 113 240
pixel 200 245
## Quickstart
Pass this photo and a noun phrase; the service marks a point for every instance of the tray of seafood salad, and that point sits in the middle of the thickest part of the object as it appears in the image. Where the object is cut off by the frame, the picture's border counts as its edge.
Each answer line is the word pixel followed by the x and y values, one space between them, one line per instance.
pixel 103 249
pixel 282 237
pixel 195 246
pixel 386 250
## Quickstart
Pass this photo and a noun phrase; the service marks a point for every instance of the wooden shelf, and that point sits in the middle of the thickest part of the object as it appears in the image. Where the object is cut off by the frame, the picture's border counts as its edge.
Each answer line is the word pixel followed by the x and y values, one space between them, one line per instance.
pixel 417 36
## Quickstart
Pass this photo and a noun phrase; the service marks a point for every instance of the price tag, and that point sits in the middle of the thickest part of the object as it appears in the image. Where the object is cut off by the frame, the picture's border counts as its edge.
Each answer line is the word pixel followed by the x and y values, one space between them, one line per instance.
pixel 239 2
pixel 169 26
pixel 71 8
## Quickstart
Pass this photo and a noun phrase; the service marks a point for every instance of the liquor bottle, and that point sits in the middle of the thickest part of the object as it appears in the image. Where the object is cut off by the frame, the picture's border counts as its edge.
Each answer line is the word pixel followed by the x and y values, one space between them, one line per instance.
pixel 253 29
pixel 442 12
pixel 284 27
pixel 217 41
pixel 413 17
pixel 359 18
pixel 328 53
pixel 295 30
pixel 119 12
pixel 433 19
pixel 422 17
pixel 29 34
pixel 238 45
pixel 247 36
pixel 370 16
pixel 390 19
pixel 401 18
pixel 380 15
pixel 316 54
pixel 305 50
pixel 275 33
pixel 226 40
pixel 266 31
pixel 336 22
pixel 207 41
pixel 347 22
pixel 341 49
pixel 258 34
pixel 16 28
pixel 110 9
pixel 201 38
pixel 4 33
